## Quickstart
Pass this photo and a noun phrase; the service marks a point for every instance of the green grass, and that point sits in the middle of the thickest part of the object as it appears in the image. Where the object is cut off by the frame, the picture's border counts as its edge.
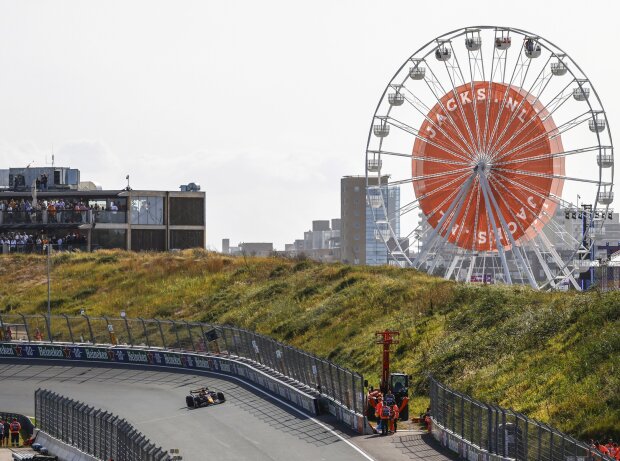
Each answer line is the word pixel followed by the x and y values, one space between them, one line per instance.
pixel 553 356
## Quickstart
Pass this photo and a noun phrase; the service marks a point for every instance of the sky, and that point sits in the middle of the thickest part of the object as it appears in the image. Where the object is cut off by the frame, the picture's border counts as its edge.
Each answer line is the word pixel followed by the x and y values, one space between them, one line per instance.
pixel 265 104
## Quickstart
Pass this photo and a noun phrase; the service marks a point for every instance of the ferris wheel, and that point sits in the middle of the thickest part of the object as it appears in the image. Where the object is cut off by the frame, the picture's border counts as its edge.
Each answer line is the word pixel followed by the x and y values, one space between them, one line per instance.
pixel 498 151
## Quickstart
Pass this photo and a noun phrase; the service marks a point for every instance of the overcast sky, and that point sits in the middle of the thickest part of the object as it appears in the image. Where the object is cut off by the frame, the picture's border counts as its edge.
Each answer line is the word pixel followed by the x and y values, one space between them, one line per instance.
pixel 265 104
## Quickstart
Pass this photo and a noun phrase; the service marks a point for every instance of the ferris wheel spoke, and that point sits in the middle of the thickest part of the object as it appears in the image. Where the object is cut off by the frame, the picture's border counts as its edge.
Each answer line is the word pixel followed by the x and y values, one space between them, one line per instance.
pixel 426 176
pixel 518 64
pixel 457 71
pixel 565 153
pixel 437 127
pixel 466 214
pixel 474 242
pixel 488 99
pixel 491 219
pixel 548 176
pixel 412 131
pixel 433 84
pixel 449 197
pixel 537 192
pixel 541 138
pixel 542 80
pixel 414 204
pixel 418 157
pixel 475 59
pixel 535 215
pixel 457 202
pixel 557 102
pixel 526 268
pixel 526 207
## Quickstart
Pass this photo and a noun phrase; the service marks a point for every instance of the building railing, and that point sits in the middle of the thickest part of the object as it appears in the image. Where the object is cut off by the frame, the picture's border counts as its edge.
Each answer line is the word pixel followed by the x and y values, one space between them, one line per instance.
pixel 116 217
pixel 34 248
pixel 95 432
pixel 339 384
pixel 46 217
pixel 502 432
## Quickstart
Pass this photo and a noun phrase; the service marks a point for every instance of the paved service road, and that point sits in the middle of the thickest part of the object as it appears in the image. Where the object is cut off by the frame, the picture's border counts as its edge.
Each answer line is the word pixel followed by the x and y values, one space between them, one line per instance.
pixel 247 426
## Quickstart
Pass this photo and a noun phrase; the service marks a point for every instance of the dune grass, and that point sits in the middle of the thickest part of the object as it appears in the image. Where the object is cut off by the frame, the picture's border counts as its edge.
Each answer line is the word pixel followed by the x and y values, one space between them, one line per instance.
pixel 553 356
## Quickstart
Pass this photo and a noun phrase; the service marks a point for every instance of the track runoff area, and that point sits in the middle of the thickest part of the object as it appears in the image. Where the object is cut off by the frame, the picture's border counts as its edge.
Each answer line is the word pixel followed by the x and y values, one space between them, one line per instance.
pixel 251 424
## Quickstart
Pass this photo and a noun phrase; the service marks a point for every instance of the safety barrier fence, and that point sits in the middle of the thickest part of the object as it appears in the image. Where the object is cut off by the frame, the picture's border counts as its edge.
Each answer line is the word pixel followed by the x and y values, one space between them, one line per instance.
pixel 478 430
pixel 342 386
pixel 93 431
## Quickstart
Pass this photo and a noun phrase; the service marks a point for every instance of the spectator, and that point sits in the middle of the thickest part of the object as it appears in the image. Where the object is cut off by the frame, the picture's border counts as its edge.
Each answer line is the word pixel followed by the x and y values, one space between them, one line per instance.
pixel 7 428
pixel 15 427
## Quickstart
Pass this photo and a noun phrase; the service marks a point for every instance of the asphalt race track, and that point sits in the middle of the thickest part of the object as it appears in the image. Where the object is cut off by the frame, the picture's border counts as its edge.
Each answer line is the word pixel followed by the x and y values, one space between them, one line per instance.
pixel 247 426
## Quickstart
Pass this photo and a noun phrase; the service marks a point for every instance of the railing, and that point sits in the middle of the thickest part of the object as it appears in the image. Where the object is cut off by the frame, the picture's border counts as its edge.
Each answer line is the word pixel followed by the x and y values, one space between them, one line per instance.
pixel 95 432
pixel 343 386
pixel 34 248
pixel 501 432
pixel 117 217
pixel 46 217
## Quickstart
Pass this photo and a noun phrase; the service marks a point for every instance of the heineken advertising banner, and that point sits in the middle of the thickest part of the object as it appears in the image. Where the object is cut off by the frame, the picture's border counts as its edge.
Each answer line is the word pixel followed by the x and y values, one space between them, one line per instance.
pixel 159 358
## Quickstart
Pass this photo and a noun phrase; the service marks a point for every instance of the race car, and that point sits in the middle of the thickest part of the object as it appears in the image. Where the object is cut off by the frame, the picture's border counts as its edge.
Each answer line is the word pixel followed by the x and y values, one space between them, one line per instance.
pixel 203 397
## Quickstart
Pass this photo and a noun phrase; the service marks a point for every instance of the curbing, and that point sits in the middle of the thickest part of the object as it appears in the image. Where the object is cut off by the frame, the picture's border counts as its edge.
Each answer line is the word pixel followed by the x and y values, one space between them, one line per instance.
pixel 465 449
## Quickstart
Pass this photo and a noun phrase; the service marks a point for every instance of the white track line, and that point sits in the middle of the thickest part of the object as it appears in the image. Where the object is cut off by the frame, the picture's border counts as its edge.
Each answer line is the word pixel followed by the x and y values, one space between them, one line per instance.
pixel 297 410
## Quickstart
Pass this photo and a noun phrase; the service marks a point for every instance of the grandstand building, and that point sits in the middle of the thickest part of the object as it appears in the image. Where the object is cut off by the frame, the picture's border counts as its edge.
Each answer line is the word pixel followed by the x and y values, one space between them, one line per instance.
pixel 92 218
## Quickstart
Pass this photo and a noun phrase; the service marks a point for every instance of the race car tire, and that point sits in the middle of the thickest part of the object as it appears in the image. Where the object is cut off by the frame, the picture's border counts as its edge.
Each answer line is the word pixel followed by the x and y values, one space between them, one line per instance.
pixel 220 397
pixel 189 400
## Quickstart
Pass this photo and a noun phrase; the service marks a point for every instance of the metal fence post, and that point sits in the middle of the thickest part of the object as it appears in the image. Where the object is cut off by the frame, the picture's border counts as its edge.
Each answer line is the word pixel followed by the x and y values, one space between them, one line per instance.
pixel 146 334
pixel 128 330
pixel 189 333
pixel 68 327
pixel 176 334
pixel 25 326
pixel 161 332
pixel 90 328
pixel 49 327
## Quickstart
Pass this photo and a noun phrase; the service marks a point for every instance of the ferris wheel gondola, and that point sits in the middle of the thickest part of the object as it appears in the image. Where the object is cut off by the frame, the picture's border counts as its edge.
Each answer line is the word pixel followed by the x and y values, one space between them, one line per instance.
pixel 489 132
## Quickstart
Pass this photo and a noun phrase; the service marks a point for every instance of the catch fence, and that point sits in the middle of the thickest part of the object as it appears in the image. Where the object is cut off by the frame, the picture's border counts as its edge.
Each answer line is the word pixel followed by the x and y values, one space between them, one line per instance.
pixel 343 386
pixel 95 432
pixel 502 432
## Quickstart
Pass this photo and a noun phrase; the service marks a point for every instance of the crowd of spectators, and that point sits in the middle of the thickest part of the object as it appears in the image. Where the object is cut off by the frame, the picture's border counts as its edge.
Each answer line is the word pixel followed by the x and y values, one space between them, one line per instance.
pixel 50 211
pixel 610 448
pixel 22 242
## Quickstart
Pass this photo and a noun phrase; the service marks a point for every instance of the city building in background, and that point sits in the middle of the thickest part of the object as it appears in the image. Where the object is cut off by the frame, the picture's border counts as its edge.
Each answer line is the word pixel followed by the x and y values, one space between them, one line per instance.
pixel 321 243
pixel 362 241
pixel 52 201
pixel 262 249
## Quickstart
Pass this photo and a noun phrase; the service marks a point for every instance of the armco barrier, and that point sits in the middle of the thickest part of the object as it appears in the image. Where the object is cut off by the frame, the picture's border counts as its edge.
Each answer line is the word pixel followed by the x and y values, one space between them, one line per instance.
pixel 155 359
